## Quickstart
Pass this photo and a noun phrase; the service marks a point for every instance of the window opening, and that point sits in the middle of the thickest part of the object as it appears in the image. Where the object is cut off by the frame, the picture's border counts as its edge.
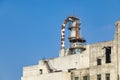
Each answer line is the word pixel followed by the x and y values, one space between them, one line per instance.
pixel 108 54
pixel 98 61
pixel 99 77
pixel 85 78
pixel 41 71
pixel 76 78
pixel 107 76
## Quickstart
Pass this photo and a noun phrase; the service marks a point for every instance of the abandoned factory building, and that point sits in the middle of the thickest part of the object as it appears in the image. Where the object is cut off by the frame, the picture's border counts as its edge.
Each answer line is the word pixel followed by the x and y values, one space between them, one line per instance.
pixel 99 61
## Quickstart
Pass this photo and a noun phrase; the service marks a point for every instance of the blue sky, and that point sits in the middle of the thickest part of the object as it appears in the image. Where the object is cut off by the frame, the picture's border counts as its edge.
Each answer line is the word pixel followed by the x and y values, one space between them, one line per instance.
pixel 30 29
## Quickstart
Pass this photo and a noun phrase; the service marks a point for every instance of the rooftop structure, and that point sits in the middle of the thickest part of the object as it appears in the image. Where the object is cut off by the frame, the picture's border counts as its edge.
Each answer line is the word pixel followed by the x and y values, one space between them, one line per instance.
pixel 76 42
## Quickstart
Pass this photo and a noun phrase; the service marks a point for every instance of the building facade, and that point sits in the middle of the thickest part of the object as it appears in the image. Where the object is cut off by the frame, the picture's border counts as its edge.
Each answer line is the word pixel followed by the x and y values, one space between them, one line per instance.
pixel 99 61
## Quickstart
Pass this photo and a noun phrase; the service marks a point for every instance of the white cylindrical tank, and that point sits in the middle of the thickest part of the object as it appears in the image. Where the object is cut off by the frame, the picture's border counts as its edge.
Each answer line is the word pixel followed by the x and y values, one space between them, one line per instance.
pixel 73 32
pixel 73 29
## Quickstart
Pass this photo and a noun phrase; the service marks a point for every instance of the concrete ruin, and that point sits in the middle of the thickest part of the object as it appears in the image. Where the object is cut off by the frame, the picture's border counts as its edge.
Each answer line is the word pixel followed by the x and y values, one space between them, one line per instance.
pixel 99 61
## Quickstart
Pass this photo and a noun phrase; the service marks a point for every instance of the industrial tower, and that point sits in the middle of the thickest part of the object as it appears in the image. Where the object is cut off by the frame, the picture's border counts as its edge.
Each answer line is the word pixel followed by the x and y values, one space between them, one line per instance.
pixel 75 40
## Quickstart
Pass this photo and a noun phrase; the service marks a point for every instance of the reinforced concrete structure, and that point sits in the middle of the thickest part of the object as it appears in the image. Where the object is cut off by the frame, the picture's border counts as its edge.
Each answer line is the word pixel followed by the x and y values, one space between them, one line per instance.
pixel 99 61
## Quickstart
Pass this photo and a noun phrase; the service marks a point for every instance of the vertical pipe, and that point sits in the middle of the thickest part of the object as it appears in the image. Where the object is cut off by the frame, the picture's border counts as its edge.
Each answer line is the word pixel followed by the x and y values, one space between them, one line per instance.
pixel 77 30
pixel 63 35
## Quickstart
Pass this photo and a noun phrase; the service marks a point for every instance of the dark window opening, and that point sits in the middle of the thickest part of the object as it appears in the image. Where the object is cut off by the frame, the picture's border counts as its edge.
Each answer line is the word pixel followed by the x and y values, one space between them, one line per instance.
pixel 107 76
pixel 98 61
pixel 76 78
pixel 99 77
pixel 40 71
pixel 108 54
pixel 85 78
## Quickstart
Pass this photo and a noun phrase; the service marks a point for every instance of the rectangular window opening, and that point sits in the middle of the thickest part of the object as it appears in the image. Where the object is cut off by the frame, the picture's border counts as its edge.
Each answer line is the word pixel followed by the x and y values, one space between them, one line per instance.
pixel 99 77
pixel 98 61
pixel 108 54
pixel 108 76
pixel 76 78
pixel 85 78
pixel 41 71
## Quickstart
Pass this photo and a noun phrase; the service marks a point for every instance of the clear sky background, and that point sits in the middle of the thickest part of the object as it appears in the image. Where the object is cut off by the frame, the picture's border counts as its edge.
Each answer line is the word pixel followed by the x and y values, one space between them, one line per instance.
pixel 30 29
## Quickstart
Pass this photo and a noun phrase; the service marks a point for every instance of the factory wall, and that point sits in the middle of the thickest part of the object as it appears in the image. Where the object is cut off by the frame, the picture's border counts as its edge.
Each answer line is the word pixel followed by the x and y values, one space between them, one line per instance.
pixel 49 76
pixel 100 61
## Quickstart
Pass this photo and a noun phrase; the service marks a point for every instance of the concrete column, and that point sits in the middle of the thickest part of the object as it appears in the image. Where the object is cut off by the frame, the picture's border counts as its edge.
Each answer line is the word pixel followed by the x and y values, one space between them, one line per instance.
pixel 117 44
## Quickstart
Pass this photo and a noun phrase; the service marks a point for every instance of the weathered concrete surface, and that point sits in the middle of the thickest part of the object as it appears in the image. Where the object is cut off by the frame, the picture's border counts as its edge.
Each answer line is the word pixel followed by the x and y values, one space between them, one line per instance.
pixel 80 65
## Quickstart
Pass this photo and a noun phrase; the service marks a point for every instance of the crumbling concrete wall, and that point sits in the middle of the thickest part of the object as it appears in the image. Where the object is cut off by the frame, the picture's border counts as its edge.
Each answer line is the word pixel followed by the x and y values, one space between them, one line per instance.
pixel 80 65
pixel 49 76
pixel 97 51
